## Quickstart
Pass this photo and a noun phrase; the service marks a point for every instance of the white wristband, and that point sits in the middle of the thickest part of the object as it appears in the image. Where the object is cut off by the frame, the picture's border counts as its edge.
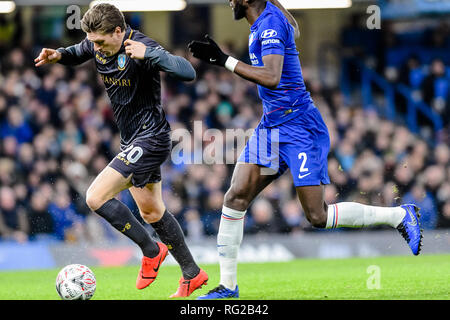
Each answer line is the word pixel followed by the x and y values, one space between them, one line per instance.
pixel 231 63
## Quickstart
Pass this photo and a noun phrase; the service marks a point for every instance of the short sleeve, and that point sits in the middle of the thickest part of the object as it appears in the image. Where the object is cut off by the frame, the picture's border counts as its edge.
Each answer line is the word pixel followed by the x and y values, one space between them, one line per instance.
pixel 273 36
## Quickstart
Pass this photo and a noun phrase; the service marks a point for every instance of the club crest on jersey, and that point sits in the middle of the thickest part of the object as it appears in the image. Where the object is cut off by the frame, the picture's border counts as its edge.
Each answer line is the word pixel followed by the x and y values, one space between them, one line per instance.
pixel 121 61
pixel 268 33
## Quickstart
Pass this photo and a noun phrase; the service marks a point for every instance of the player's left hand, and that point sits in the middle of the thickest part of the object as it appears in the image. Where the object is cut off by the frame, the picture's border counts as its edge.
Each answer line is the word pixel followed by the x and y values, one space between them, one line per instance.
pixel 208 51
pixel 135 49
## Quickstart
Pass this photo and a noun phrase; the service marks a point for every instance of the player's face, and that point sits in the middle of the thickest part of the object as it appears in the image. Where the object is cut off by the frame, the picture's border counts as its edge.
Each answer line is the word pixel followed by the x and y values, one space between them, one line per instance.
pixel 107 44
pixel 239 8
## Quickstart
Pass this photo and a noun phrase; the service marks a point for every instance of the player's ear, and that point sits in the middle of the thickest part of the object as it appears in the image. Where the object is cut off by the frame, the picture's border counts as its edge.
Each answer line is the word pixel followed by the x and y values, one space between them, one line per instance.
pixel 117 30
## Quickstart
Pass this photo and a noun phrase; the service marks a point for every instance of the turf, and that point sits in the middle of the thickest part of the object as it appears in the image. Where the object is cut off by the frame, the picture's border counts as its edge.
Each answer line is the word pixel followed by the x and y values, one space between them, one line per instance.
pixel 422 277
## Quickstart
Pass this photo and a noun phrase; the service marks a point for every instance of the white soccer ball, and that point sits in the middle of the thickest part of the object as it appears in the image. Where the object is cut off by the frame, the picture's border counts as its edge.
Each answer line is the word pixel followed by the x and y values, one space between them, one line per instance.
pixel 75 282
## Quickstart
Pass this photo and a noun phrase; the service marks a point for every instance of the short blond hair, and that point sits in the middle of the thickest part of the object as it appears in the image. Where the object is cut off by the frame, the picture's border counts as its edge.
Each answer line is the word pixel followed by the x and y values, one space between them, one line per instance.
pixel 103 18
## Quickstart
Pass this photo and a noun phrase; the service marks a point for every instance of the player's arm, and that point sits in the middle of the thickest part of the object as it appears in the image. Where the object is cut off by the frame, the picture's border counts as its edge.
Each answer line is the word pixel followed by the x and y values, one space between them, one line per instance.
pixel 289 16
pixel 73 55
pixel 175 66
pixel 268 75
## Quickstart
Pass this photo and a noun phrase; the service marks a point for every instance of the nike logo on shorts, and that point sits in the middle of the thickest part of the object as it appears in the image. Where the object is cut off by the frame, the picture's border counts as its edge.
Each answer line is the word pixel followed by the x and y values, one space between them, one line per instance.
pixel 302 176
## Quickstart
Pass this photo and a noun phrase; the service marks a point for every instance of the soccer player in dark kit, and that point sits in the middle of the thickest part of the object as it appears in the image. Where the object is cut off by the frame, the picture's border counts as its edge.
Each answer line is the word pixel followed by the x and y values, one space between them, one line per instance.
pixel 129 64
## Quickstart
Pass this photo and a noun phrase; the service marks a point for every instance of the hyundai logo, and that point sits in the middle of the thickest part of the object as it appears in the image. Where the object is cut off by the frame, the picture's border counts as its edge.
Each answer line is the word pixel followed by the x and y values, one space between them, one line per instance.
pixel 269 33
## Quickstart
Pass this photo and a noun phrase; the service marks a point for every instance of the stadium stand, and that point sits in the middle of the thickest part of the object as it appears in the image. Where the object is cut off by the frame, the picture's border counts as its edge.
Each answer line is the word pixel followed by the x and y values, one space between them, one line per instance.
pixel 57 133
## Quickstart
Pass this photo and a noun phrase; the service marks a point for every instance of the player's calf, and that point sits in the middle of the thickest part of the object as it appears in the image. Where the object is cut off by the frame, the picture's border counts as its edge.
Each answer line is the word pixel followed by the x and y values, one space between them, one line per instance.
pixel 317 218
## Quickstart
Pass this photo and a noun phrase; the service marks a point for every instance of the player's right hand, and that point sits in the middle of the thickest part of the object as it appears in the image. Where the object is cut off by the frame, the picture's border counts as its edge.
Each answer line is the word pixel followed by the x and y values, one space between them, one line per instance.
pixel 47 56
pixel 208 51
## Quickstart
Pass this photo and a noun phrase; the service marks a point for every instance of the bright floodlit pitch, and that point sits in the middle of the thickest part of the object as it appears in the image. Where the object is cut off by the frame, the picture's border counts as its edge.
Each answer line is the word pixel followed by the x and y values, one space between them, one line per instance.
pixel 408 277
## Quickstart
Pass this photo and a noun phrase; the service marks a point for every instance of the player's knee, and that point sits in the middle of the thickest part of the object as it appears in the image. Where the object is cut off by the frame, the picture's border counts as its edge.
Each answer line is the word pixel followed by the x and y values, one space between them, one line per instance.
pixel 236 197
pixel 317 217
pixel 93 201
pixel 152 215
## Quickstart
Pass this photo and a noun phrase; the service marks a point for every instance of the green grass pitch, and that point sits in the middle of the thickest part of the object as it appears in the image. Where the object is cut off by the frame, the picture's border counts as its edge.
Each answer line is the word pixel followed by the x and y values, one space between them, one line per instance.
pixel 422 277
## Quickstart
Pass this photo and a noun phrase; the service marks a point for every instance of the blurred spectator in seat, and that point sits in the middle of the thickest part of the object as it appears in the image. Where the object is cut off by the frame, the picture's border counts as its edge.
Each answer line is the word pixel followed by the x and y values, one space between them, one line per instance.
pixel 16 125
pixel 194 225
pixel 263 217
pixel 40 220
pixel 10 147
pixel 436 87
pixel 424 200
pixel 412 73
pixel 442 154
pixel 293 216
pixel 68 224
pixel 13 222
pixel 212 212
pixel 444 220
pixel 345 153
pixel 434 177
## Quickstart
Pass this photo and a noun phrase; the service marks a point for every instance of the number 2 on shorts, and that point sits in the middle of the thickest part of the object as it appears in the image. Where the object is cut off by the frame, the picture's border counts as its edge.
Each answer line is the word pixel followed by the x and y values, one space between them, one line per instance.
pixel 302 156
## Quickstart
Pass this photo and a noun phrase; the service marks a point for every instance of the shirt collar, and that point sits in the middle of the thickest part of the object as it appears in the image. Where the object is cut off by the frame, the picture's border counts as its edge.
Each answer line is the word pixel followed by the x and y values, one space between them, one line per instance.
pixel 128 34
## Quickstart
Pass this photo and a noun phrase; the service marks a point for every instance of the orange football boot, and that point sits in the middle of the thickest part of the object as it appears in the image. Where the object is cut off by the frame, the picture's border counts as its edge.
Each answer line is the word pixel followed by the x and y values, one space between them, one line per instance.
pixel 150 267
pixel 188 286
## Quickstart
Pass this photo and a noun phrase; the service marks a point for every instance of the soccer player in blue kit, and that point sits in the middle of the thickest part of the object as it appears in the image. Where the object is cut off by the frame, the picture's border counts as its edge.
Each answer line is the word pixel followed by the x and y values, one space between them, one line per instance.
pixel 302 141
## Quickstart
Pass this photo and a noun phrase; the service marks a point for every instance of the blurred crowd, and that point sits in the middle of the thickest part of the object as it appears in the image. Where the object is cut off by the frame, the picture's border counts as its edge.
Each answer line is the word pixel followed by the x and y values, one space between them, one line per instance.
pixel 413 54
pixel 57 132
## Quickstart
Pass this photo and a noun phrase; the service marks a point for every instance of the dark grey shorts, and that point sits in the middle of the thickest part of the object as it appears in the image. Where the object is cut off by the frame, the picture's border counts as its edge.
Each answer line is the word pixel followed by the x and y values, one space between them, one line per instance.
pixel 143 158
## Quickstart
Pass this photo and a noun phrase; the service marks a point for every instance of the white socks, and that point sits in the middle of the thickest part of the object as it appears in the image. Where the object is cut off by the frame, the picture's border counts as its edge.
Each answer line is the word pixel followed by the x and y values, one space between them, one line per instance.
pixel 343 214
pixel 229 238
pixel 356 215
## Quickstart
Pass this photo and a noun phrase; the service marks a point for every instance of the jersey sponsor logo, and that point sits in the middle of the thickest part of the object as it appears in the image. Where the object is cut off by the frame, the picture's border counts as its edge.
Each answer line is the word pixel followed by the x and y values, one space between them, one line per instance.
pixel 121 61
pixel 115 81
pixel 254 58
pixel 270 41
pixel 100 58
pixel 268 33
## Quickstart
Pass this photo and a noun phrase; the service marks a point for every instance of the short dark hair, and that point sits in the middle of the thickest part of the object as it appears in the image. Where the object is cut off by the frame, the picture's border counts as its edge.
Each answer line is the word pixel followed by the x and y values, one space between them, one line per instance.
pixel 103 18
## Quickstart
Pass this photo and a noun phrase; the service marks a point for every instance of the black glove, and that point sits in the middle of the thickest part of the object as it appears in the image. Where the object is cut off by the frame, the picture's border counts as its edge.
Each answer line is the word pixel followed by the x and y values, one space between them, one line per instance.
pixel 208 51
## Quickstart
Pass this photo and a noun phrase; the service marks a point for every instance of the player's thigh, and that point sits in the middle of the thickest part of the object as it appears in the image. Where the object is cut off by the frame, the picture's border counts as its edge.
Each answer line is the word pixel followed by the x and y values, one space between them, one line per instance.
pixel 247 182
pixel 149 201
pixel 105 187
pixel 313 204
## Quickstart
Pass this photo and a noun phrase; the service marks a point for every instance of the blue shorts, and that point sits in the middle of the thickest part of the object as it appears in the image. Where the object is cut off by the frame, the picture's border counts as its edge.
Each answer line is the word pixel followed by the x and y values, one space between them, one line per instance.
pixel 300 144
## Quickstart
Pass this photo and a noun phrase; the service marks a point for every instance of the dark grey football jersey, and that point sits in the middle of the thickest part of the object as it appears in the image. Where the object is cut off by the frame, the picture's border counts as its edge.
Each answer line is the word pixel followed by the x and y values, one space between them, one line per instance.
pixel 133 85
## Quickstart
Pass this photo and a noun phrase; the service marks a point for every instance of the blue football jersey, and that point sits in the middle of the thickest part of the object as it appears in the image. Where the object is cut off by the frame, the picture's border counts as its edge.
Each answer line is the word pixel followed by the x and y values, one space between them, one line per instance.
pixel 272 34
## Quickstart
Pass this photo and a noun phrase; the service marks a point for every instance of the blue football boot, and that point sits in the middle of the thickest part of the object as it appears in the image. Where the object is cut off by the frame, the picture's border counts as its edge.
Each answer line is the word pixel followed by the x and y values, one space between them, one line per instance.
pixel 220 292
pixel 409 228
